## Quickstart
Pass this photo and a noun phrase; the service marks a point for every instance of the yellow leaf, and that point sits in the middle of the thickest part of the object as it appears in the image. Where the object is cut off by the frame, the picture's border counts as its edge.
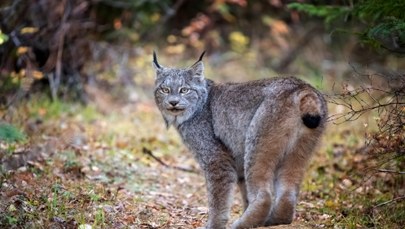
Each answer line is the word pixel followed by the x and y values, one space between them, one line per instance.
pixel 21 50
pixel 171 39
pixel 175 49
pixel 330 204
pixel 238 41
pixel 21 73
pixel 37 74
pixel 155 17
pixel 42 111
pixel 29 30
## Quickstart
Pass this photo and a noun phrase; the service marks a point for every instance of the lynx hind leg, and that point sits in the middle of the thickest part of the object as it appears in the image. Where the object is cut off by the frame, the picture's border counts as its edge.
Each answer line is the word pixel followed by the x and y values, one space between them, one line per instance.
pixel 286 194
pixel 243 192
pixel 290 174
pixel 263 147
pixel 260 164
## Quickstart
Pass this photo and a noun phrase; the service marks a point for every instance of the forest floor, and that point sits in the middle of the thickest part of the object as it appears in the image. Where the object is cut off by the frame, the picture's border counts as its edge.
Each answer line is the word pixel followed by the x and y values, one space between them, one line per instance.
pixel 83 167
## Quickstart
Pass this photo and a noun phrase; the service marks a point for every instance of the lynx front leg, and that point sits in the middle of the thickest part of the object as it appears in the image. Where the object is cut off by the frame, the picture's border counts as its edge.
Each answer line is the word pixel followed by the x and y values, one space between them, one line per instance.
pixel 221 178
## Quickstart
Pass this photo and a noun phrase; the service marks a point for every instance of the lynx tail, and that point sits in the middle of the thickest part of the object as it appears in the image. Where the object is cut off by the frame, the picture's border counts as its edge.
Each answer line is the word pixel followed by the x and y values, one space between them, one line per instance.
pixel 310 106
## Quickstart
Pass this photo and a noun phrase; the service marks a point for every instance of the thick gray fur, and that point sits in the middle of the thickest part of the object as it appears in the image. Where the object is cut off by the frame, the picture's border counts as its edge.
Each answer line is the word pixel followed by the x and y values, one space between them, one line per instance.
pixel 251 134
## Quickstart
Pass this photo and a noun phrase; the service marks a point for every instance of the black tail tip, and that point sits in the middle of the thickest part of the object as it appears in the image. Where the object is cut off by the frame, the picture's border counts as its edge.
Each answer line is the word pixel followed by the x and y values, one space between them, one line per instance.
pixel 311 121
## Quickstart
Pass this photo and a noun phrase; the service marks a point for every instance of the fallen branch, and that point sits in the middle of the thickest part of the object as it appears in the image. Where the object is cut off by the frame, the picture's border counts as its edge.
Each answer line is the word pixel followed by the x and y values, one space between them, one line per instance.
pixel 390 171
pixel 389 201
pixel 292 54
pixel 150 153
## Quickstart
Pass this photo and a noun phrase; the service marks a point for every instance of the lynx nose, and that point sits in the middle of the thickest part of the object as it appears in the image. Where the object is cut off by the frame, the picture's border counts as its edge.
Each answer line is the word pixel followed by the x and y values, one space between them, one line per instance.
pixel 174 102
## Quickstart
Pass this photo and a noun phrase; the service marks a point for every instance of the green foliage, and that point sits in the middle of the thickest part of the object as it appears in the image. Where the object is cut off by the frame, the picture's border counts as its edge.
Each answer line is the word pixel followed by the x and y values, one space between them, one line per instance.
pixel 99 218
pixel 132 18
pixel 383 21
pixel 45 107
pixel 389 34
pixel 10 133
pixel 371 11
pixel 9 85
pixel 11 220
pixel 3 38
pixel 329 13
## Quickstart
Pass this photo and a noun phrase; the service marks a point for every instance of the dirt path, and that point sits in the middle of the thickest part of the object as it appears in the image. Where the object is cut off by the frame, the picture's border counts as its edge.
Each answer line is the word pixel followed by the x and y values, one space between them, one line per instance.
pixel 121 170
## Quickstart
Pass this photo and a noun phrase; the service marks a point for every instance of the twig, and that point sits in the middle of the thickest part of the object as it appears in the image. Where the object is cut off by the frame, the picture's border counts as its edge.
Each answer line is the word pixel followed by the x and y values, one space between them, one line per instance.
pixel 390 171
pixel 389 201
pixel 170 12
pixel 150 153
pixel 368 169
pixel 58 68
pixel 292 54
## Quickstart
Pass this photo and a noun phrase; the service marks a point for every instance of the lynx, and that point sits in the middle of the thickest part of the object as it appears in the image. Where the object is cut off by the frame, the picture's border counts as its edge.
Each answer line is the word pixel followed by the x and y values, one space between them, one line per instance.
pixel 259 135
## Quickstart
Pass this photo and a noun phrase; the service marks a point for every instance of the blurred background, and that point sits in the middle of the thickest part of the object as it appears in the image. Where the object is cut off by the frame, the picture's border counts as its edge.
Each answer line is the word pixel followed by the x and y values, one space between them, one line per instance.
pixel 68 48
pixel 76 86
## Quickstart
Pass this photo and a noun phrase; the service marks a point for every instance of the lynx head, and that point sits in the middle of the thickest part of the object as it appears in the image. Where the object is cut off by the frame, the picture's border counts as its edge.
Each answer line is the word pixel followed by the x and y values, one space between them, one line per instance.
pixel 179 93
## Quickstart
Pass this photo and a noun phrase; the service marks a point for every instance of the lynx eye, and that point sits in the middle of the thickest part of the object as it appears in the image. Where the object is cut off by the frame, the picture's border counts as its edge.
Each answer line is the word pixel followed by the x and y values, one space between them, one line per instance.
pixel 184 90
pixel 165 90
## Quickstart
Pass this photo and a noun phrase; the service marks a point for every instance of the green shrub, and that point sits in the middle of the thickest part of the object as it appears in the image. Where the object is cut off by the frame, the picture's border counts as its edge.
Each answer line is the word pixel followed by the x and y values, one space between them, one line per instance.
pixel 10 134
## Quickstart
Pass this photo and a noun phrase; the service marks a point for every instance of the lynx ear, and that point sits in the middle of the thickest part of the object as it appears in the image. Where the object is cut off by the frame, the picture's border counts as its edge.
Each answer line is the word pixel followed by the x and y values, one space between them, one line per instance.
pixel 155 63
pixel 198 67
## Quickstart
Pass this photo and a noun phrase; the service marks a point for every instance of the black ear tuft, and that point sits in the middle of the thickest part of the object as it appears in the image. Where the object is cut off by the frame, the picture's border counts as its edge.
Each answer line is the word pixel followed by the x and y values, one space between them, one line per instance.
pixel 155 60
pixel 199 59
pixel 311 121
pixel 202 55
